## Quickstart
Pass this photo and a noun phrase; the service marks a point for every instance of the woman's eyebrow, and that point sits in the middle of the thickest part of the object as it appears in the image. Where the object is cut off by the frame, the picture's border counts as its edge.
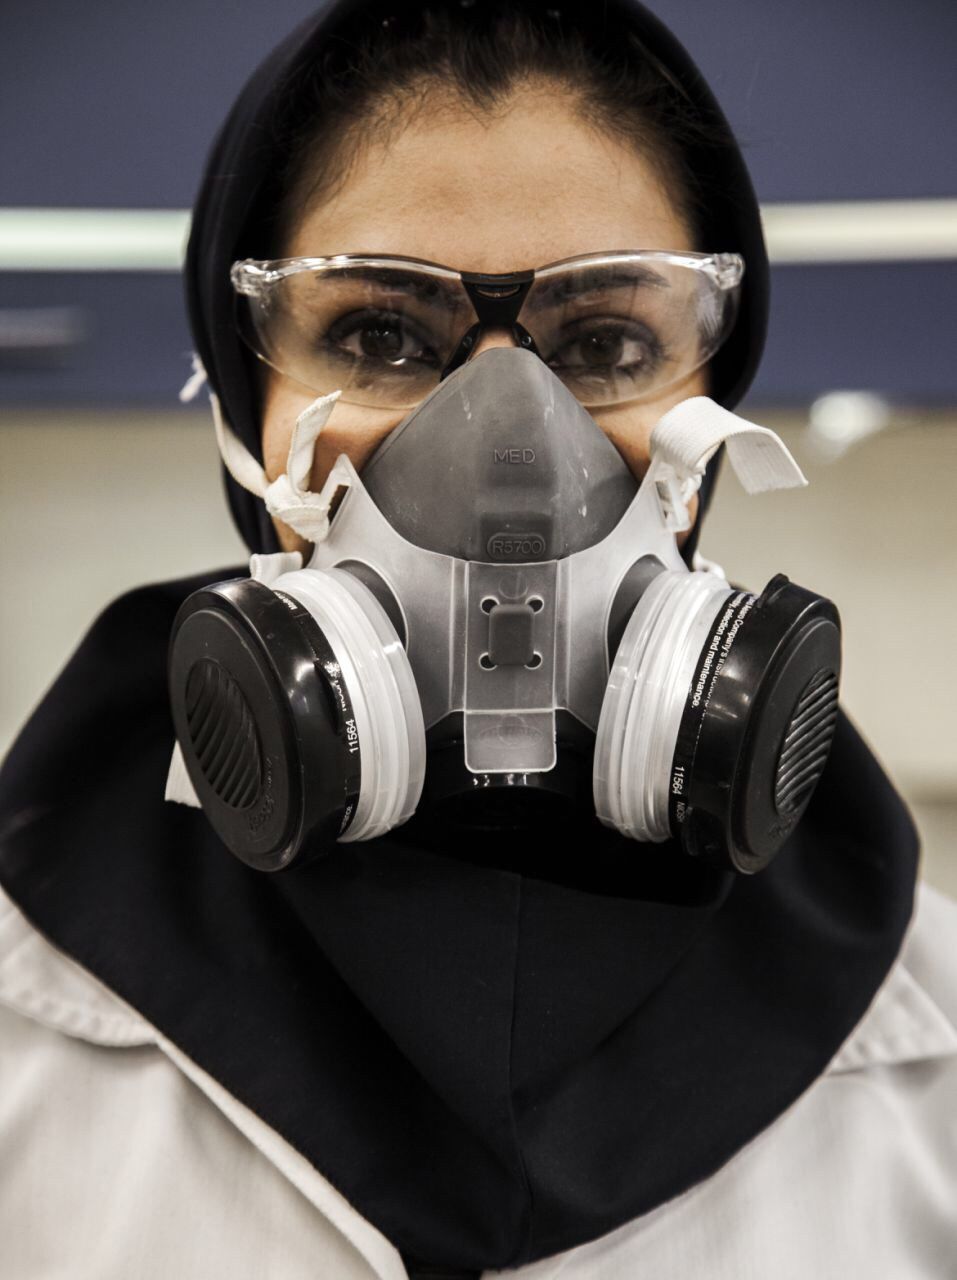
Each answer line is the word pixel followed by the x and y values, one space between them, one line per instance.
pixel 569 285
pixel 402 282
pixel 597 278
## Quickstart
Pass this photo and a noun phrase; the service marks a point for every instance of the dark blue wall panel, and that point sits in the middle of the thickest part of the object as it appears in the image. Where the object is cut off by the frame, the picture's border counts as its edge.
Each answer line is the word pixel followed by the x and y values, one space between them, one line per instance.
pixel 113 104
pixel 133 343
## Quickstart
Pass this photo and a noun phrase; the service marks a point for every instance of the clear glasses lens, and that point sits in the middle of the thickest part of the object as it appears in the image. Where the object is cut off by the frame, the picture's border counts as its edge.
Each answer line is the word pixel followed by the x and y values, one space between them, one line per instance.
pixel 625 330
pixel 381 334
pixel 614 329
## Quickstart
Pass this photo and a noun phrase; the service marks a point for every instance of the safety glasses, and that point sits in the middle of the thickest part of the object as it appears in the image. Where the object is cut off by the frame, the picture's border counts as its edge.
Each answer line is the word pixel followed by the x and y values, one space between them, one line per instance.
pixel 615 327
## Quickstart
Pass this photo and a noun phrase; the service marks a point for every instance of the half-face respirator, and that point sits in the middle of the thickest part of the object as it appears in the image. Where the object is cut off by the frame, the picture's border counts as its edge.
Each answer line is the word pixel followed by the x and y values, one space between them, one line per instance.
pixel 496 621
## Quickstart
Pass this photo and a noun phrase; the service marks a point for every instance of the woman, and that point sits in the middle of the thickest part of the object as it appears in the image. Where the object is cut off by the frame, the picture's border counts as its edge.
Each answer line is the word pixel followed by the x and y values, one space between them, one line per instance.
pixel 550 1050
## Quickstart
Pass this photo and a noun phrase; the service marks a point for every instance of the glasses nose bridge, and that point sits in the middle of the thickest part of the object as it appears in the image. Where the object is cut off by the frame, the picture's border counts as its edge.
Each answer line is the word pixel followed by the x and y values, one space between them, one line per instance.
pixel 497 301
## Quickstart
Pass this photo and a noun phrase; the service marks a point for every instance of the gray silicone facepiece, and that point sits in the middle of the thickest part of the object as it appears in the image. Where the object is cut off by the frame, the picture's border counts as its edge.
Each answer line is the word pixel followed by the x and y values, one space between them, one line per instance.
pixel 500 463
pixel 497 523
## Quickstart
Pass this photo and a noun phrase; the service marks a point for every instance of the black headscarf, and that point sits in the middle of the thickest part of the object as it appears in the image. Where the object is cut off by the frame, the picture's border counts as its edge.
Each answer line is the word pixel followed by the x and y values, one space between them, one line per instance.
pixel 495 1055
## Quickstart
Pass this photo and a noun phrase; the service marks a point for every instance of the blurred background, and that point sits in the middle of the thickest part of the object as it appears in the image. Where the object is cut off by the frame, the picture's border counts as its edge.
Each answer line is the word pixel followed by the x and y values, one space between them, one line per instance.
pixel 848 119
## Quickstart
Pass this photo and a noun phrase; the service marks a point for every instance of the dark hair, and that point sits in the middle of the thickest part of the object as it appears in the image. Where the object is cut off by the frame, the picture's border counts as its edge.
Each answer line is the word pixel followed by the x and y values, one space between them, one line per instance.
pixel 374 73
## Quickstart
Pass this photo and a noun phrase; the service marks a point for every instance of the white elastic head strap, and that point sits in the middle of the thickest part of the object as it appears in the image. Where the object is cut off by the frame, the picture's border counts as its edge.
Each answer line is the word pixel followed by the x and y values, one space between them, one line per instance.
pixel 686 437
pixel 287 497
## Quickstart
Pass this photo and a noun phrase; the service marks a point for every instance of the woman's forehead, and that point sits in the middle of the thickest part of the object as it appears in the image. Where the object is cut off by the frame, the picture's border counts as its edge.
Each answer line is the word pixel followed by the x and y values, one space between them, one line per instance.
pixel 531 185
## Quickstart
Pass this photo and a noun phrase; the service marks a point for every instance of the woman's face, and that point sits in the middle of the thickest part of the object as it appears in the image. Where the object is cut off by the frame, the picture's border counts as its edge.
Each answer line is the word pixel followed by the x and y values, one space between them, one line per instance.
pixel 493 194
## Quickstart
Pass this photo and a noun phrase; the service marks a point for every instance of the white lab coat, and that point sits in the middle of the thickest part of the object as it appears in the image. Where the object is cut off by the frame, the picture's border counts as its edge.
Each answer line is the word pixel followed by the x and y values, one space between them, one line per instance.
pixel 120 1158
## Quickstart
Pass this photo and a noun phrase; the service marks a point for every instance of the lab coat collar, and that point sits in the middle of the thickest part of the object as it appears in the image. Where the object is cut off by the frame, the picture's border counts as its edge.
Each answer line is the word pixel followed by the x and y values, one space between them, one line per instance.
pixel 913 1017
pixel 42 983
pixel 45 985
pixel 903 1024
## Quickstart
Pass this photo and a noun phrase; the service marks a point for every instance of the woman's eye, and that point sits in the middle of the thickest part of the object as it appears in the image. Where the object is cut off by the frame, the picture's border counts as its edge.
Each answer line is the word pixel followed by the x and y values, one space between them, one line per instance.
pixel 378 335
pixel 609 346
